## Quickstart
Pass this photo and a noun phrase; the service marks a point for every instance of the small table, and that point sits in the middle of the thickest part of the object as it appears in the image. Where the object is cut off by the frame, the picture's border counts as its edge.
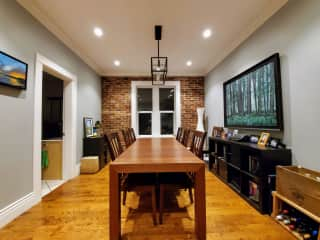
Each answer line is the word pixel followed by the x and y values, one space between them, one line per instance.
pixel 157 155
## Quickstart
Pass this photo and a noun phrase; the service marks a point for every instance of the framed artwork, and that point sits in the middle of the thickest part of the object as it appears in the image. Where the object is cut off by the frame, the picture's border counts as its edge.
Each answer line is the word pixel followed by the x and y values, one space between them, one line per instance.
pixel 88 127
pixel 13 72
pixel 264 137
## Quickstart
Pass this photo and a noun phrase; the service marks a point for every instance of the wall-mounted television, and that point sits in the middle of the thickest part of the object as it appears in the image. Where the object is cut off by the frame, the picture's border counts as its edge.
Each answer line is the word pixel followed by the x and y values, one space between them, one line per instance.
pixel 13 72
pixel 253 98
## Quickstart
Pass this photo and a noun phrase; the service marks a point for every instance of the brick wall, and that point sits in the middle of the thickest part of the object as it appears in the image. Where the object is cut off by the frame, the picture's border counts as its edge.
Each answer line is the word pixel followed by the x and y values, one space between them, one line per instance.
pixel 116 98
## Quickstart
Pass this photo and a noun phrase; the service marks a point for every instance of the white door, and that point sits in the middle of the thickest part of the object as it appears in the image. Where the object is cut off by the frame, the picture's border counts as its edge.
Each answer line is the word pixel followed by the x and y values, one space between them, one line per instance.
pixel 156 110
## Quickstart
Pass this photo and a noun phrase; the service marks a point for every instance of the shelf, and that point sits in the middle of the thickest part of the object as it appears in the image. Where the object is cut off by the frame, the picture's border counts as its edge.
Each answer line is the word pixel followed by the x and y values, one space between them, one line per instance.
pixel 234 187
pixel 250 175
pixel 297 235
pixel 233 166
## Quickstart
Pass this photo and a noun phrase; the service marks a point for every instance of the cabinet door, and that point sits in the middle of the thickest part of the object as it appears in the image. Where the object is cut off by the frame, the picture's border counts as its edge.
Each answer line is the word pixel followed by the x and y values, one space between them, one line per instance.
pixel 54 170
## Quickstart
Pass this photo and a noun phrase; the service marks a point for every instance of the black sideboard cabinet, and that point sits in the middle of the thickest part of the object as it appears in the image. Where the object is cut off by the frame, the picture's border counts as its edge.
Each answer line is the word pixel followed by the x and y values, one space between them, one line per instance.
pixel 96 146
pixel 245 168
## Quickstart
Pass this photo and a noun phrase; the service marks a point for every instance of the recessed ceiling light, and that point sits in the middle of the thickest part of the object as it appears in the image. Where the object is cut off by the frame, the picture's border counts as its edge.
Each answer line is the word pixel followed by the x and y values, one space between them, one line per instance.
pixel 207 33
pixel 189 63
pixel 98 31
pixel 116 63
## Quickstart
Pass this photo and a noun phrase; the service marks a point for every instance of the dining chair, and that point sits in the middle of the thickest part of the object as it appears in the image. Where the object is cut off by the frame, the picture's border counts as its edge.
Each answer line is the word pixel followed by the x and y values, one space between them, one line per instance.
pixel 133 182
pixel 197 143
pixel 179 133
pixel 132 134
pixel 127 137
pixel 217 131
pixel 114 145
pixel 185 138
pixel 180 180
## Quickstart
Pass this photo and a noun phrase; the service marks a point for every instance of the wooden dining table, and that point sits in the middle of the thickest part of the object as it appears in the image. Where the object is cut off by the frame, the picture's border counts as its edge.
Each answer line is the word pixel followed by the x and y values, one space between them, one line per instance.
pixel 157 155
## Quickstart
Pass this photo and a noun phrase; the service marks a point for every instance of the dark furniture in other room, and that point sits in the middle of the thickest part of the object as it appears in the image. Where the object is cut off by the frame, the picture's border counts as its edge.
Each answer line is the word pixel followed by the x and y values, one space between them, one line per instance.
pixel 245 167
pixel 96 146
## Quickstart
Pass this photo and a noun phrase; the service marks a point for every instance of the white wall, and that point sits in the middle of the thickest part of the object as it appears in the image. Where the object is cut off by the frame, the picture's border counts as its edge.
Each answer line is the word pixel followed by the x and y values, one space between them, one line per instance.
pixel 294 32
pixel 22 36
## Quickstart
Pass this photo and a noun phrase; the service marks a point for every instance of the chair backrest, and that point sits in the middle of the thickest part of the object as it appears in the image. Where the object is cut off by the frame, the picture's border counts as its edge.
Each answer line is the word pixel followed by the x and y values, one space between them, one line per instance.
pixel 179 133
pixel 197 143
pixel 185 138
pixel 132 134
pixel 217 131
pixel 114 144
pixel 127 136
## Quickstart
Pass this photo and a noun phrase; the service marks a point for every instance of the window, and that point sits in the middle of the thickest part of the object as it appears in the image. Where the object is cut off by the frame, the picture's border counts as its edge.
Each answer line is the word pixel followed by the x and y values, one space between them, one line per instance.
pixel 155 109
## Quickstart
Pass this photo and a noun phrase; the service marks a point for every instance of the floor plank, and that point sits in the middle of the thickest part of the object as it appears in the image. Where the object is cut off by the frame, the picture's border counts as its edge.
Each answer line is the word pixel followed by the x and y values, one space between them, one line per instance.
pixel 79 209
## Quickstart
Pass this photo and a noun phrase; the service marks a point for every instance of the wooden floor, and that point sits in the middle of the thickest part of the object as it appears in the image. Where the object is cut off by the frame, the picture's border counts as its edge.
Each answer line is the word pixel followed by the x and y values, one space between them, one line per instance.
pixel 79 209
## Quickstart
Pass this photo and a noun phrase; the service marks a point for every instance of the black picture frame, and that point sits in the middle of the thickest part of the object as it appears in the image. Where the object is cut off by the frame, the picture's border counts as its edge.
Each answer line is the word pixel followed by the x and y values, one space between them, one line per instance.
pixel 275 58
pixel 24 87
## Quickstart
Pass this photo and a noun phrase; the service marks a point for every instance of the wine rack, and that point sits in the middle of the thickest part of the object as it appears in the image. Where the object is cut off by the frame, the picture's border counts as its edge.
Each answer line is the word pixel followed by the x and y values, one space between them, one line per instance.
pixel 279 201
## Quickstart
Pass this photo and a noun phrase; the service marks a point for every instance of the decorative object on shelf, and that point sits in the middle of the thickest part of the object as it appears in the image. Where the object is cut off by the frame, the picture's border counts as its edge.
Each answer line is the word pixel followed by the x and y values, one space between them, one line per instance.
pixel 88 127
pixel 253 191
pixel 13 72
pixel 254 139
pixel 97 129
pixel 200 126
pixel 159 65
pixel 264 137
pixel 276 143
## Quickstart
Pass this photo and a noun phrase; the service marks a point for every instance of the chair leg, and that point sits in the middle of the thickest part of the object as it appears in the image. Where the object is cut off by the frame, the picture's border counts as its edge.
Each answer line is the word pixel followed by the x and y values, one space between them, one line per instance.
pixel 161 196
pixel 154 206
pixel 190 194
pixel 124 197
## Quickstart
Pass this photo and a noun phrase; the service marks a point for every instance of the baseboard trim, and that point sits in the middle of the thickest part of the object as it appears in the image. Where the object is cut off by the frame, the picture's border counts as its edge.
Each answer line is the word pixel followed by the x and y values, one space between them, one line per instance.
pixel 15 209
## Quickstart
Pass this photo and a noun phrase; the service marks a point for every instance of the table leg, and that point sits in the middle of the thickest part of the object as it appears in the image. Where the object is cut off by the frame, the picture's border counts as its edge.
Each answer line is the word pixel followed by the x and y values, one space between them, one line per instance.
pixel 200 204
pixel 114 208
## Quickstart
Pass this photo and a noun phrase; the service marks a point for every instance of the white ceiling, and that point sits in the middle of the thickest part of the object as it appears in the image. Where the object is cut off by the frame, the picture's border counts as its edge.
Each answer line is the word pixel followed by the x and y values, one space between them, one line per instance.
pixel 128 27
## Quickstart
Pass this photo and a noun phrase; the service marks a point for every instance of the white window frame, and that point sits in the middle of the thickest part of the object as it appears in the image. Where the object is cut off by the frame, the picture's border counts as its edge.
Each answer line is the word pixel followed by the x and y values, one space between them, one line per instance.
pixel 156 113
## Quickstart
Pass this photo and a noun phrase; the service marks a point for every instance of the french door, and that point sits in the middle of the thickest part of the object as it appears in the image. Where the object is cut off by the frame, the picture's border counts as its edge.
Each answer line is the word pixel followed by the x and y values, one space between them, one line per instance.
pixel 156 110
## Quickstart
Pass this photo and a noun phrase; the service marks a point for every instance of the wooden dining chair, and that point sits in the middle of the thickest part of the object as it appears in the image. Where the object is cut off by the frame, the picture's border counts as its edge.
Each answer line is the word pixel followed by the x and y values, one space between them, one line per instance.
pixel 178 180
pixel 197 143
pixel 217 131
pixel 185 137
pixel 132 135
pixel 179 133
pixel 126 133
pixel 114 145
pixel 133 182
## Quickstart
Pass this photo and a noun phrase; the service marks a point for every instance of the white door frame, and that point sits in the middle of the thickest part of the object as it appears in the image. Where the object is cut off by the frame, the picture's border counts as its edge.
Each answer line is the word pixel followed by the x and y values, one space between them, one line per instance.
pixel 69 121
pixel 136 84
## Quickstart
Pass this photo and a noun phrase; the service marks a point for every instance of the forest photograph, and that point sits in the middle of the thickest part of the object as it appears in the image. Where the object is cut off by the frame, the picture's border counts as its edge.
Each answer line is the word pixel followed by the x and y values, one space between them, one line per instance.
pixel 250 100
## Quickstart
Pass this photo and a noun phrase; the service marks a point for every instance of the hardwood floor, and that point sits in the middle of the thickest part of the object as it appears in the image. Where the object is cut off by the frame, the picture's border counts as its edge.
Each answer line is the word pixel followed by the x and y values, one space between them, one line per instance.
pixel 79 209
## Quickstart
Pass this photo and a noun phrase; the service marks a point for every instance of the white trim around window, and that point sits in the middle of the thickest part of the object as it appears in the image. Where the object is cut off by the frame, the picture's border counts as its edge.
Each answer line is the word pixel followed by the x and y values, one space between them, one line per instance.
pixel 146 84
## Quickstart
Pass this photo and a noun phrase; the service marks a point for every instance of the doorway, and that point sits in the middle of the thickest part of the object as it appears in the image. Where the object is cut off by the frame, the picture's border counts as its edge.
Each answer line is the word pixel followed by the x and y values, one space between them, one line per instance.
pixel 52 133
pixel 155 109
pixel 63 131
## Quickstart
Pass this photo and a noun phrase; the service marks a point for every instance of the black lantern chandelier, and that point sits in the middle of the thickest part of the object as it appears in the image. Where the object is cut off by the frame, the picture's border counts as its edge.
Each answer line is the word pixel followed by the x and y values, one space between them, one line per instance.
pixel 159 65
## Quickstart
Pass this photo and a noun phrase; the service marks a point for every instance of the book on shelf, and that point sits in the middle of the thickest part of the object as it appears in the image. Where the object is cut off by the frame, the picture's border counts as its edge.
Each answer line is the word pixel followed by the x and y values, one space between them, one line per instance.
pixel 254 191
pixel 253 164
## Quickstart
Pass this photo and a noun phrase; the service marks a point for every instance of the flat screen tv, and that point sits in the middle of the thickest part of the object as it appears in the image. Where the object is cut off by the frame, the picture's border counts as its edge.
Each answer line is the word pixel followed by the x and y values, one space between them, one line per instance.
pixel 13 72
pixel 253 98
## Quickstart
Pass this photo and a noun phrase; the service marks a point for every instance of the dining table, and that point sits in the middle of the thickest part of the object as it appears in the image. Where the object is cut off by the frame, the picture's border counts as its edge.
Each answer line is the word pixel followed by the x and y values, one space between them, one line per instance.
pixel 156 155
